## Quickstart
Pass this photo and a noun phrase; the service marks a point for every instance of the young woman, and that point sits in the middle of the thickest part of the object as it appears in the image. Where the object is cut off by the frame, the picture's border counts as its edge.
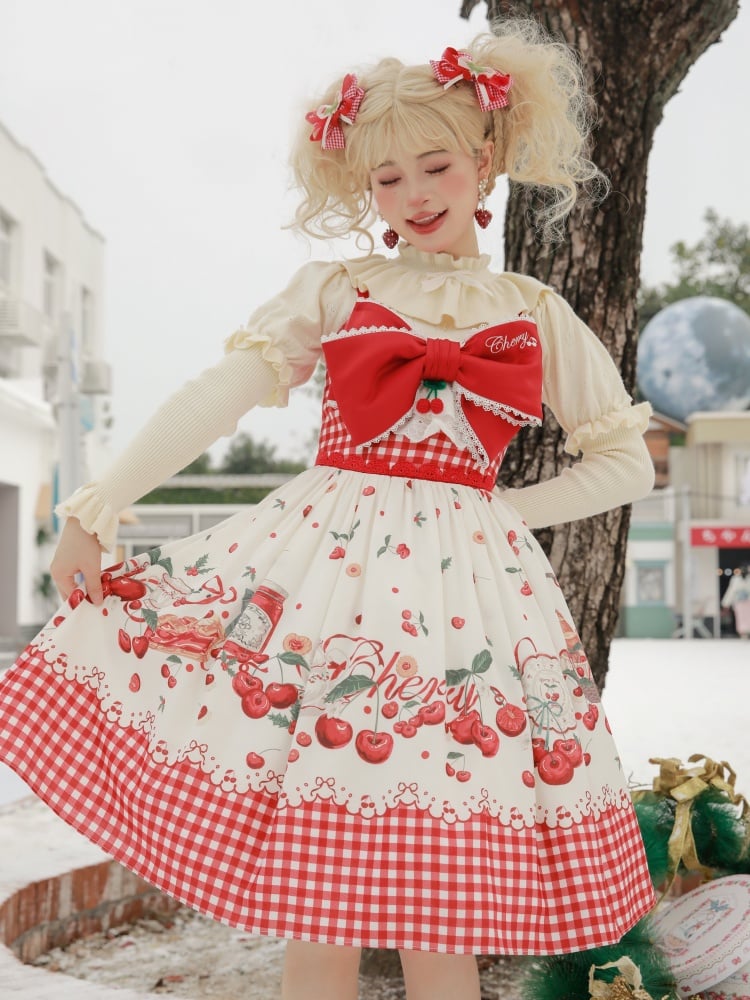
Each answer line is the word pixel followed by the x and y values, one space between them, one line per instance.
pixel 359 714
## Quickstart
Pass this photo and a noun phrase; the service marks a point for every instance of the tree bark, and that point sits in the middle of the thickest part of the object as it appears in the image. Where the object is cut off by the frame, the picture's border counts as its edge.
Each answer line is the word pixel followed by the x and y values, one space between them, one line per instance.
pixel 635 54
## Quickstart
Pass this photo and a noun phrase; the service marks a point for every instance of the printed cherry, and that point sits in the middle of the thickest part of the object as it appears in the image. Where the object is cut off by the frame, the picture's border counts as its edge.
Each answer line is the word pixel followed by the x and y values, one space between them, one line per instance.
pixel 589 717
pixel 511 719
pixel 538 748
pixel 254 760
pixel 572 750
pixel 243 683
pixel 555 768
pixel 282 695
pixel 390 709
pixel 255 704
pixel 140 645
pixel 485 738
pixel 76 597
pixel 333 732
pixel 374 747
pixel 432 714
pixel 460 728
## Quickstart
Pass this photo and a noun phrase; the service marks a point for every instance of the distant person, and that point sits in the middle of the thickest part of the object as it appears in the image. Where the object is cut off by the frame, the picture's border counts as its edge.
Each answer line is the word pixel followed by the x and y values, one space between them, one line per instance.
pixel 359 714
pixel 737 597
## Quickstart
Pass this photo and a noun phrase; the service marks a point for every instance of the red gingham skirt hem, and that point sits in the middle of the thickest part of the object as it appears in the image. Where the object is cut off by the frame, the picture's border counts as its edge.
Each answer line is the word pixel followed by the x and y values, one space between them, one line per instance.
pixel 316 872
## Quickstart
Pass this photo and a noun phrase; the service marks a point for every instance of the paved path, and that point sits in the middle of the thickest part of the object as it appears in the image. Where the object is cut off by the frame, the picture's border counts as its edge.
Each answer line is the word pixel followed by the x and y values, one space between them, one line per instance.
pixel 35 845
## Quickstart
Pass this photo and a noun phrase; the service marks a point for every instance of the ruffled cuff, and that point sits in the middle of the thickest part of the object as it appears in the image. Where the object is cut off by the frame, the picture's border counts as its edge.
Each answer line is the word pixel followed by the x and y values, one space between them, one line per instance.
pixel 243 340
pixel 627 418
pixel 95 516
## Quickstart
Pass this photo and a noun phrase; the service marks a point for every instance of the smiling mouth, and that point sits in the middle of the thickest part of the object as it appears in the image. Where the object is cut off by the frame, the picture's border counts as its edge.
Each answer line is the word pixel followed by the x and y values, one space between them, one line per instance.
pixel 424 221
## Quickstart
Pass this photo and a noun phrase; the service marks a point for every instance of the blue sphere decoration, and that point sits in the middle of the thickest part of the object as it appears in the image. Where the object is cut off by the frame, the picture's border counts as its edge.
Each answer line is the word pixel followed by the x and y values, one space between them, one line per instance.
pixel 695 355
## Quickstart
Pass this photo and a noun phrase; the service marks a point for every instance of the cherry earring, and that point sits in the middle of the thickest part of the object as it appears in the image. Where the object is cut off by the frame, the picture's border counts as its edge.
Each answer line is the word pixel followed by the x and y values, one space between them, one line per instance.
pixel 390 236
pixel 482 214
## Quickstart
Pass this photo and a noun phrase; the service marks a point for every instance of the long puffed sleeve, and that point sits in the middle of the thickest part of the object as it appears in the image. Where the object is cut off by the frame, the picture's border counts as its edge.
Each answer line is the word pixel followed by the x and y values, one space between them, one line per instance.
pixel 584 390
pixel 278 348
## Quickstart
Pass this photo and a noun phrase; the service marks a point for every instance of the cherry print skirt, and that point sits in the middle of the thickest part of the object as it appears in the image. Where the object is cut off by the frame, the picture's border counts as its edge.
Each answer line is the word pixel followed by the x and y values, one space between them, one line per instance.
pixel 358 713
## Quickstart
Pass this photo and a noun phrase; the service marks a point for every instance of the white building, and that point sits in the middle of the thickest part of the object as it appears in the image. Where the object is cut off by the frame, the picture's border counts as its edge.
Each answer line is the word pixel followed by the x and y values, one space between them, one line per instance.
pixel 687 539
pixel 51 305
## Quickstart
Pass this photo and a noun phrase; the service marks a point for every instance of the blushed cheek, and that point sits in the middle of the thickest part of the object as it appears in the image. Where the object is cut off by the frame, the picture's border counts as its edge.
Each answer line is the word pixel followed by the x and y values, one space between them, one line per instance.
pixel 456 188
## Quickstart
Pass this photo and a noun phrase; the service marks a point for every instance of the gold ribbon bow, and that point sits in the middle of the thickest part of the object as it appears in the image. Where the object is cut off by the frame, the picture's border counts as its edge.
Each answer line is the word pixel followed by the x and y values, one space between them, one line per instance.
pixel 684 785
pixel 627 986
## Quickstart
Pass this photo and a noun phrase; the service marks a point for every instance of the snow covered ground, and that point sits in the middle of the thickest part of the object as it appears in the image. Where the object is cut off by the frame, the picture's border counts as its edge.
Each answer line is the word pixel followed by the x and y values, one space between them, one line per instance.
pixel 664 698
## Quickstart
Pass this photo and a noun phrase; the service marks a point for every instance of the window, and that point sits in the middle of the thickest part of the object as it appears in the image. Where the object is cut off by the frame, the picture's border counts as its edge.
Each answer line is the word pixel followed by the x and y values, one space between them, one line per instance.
pixel 49 291
pixel 86 323
pixel 742 479
pixel 6 237
pixel 650 583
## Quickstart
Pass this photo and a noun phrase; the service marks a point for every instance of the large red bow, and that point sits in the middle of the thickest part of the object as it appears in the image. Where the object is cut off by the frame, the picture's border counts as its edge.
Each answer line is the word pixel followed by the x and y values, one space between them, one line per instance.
pixel 496 373
pixel 326 120
pixel 491 85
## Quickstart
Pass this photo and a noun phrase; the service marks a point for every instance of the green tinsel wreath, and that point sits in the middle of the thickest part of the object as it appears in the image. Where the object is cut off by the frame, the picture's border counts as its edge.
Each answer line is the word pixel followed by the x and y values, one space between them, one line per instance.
pixel 722 838
pixel 566 977
pixel 722 844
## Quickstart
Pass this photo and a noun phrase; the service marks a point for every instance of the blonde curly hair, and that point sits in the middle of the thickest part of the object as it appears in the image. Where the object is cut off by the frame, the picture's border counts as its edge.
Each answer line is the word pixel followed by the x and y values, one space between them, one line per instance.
pixel 540 138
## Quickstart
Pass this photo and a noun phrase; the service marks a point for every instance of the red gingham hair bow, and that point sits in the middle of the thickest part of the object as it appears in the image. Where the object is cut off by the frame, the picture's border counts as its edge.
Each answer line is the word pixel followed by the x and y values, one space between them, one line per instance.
pixel 326 120
pixel 491 85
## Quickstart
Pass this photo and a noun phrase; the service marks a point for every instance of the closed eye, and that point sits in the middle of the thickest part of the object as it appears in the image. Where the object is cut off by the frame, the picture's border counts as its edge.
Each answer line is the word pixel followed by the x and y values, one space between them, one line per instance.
pixel 438 170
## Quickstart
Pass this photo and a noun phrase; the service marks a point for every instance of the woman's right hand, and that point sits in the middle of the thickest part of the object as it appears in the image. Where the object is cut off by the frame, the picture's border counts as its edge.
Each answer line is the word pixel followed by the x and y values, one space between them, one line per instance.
pixel 78 551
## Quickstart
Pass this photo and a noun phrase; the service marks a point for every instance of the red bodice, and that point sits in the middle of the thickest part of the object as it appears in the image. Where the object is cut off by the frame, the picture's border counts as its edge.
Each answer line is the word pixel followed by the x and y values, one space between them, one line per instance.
pixel 382 377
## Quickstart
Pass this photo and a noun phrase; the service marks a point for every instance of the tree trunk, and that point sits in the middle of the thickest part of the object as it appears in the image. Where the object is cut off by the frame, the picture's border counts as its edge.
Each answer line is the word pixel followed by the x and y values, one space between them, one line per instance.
pixel 636 53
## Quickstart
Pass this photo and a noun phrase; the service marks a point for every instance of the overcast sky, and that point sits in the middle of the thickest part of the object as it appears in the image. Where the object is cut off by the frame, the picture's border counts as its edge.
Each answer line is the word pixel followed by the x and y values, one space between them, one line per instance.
pixel 168 122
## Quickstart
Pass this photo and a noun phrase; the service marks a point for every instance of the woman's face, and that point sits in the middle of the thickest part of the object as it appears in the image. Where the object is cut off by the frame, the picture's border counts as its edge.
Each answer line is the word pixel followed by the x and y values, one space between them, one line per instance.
pixel 429 198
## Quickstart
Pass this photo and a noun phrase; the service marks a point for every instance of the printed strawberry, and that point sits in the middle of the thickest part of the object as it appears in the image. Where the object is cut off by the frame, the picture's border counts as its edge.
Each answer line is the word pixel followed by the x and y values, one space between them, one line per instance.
pixel 333 732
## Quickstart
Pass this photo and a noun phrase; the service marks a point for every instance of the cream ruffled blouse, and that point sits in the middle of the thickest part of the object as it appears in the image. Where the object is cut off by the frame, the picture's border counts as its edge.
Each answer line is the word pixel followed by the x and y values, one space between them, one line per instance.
pixel 441 296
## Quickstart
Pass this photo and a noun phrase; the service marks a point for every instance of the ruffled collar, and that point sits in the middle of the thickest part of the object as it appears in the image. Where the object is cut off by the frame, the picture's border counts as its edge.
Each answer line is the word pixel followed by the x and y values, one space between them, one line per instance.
pixel 441 263
pixel 438 288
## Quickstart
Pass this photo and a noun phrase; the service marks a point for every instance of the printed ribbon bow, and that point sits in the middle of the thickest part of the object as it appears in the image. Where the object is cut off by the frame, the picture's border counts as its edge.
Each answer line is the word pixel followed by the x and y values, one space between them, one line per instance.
pixel 496 372
pixel 684 785
pixel 326 120
pixel 491 85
